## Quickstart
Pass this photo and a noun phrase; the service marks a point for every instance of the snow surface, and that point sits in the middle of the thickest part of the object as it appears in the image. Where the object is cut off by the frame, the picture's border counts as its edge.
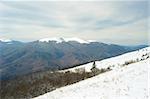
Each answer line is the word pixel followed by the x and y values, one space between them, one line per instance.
pixel 60 40
pixel 127 82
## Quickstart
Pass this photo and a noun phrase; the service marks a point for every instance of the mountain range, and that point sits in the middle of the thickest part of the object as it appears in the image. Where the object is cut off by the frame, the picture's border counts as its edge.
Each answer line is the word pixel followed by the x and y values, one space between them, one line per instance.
pixel 19 58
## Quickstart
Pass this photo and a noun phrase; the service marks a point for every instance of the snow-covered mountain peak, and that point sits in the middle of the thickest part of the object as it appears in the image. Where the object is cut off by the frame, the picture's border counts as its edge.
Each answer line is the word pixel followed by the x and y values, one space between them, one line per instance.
pixel 92 41
pixel 5 40
pixel 76 39
pixel 60 40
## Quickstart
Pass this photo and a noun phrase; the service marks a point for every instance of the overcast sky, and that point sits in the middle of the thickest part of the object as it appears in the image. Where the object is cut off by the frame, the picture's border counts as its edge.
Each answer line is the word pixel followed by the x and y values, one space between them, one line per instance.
pixel 111 22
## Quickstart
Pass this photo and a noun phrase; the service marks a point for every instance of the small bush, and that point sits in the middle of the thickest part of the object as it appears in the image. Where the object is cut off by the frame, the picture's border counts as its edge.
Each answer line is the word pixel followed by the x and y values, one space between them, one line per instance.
pixel 129 62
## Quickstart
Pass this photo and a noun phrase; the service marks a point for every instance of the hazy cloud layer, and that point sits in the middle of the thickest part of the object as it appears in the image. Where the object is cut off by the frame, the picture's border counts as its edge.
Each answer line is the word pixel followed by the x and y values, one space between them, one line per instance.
pixel 114 22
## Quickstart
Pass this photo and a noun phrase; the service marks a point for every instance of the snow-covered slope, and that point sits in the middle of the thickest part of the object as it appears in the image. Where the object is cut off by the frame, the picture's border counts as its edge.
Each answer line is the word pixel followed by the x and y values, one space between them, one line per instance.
pixel 60 40
pixel 122 82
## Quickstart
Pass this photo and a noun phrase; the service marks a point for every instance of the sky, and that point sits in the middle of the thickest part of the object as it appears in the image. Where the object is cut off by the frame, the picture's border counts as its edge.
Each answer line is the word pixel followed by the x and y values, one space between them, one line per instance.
pixel 118 22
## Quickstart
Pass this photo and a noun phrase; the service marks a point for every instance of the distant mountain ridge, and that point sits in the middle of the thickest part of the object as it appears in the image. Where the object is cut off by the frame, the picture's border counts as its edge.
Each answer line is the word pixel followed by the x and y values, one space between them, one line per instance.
pixel 60 40
pixel 18 58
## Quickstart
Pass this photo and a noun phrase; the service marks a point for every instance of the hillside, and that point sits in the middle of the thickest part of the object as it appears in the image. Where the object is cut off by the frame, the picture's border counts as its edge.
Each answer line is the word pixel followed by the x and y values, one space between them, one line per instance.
pixel 127 80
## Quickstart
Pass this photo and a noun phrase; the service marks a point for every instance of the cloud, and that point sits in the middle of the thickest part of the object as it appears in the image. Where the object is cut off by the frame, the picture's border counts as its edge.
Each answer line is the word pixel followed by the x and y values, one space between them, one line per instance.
pixel 135 33
pixel 104 21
